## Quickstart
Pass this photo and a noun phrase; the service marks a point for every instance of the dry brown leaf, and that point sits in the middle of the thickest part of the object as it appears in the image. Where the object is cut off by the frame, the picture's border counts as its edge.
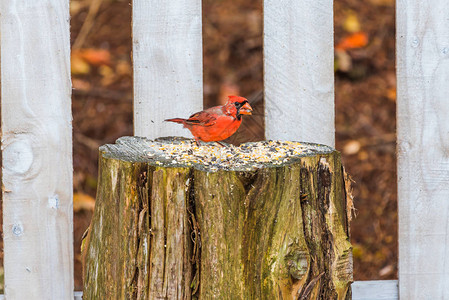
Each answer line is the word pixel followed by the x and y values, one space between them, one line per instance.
pixel 343 61
pixel 83 201
pixel 386 270
pixel 78 65
pixel 351 22
pixel 383 2
pixel 352 147
pixel 123 68
pixel 79 84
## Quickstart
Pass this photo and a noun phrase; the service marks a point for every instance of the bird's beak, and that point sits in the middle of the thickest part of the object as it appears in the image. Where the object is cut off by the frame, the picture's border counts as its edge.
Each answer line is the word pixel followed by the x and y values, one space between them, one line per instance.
pixel 246 109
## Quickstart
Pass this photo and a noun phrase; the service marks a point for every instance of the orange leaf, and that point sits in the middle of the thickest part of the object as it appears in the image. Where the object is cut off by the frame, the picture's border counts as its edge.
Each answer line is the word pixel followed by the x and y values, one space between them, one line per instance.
pixel 353 41
pixel 391 94
pixel 96 57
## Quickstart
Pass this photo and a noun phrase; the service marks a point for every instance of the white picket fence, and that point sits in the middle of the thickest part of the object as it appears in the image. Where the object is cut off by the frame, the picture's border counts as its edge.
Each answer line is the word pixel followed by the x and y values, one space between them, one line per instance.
pixel 167 52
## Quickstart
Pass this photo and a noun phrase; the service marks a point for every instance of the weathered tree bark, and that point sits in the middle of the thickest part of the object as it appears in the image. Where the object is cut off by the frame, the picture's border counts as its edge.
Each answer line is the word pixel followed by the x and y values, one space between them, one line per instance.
pixel 164 229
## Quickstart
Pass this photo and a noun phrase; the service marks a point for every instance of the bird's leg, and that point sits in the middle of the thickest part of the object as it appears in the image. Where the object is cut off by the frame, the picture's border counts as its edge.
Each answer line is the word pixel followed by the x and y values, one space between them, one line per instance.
pixel 220 144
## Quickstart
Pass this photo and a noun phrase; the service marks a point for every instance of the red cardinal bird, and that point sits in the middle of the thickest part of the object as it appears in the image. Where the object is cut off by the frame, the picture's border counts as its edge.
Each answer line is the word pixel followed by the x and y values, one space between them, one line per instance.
pixel 216 123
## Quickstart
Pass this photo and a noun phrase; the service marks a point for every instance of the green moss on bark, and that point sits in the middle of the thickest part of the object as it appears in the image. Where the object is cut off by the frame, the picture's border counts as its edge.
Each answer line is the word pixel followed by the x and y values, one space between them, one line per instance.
pixel 184 232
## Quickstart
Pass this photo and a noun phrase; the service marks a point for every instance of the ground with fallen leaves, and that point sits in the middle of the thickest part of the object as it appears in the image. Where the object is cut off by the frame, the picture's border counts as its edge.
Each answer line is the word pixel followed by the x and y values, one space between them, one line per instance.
pixel 232 36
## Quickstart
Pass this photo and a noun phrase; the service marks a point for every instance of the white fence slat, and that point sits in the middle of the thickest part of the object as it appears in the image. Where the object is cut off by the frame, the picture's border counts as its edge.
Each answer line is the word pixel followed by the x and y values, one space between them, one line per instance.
pixel 299 70
pixel 423 148
pixel 375 290
pixel 37 149
pixel 168 66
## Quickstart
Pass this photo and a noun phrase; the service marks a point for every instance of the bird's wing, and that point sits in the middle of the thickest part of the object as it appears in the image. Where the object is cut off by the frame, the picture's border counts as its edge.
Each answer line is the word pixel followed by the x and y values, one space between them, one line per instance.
pixel 201 118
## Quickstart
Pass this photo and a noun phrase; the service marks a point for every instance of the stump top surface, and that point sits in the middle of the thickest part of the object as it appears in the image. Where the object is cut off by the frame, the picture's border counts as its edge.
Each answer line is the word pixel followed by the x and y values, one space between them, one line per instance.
pixel 182 152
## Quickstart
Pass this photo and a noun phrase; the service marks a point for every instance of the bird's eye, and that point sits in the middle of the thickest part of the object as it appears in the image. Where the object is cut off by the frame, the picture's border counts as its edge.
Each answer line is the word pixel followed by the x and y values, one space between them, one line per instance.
pixel 240 104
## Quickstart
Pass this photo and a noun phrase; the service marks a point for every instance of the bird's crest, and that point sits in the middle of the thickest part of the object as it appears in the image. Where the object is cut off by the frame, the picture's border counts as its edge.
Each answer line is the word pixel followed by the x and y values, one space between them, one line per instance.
pixel 239 99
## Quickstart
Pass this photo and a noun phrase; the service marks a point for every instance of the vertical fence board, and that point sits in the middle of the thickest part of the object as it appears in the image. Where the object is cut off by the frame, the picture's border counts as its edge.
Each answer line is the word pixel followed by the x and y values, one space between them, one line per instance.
pixel 423 148
pixel 37 149
pixel 299 70
pixel 167 56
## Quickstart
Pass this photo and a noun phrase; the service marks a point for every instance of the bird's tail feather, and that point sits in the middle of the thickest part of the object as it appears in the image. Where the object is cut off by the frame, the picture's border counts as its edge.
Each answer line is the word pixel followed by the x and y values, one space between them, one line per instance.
pixel 176 120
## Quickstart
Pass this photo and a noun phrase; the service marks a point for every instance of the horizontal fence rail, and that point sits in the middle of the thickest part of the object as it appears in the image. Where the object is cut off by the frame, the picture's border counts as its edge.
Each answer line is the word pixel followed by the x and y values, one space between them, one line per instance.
pixel 76 296
pixel 375 290
pixel 361 290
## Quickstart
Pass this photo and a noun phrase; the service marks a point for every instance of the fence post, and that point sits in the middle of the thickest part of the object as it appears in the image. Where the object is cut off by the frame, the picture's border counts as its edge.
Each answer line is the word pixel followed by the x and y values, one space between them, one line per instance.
pixel 37 149
pixel 299 70
pixel 423 147
pixel 167 56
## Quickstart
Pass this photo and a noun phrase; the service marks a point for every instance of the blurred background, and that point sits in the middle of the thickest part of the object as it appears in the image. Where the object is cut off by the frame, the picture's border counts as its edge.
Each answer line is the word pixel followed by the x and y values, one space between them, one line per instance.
pixel 232 37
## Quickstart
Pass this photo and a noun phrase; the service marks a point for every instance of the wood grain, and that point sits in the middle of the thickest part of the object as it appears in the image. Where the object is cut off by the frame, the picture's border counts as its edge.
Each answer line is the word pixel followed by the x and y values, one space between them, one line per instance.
pixel 37 149
pixel 137 246
pixel 299 70
pixel 261 231
pixel 167 57
pixel 423 148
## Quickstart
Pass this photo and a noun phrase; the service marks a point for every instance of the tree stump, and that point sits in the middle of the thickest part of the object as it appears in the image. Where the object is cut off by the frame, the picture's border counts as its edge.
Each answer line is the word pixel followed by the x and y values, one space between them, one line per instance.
pixel 266 220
